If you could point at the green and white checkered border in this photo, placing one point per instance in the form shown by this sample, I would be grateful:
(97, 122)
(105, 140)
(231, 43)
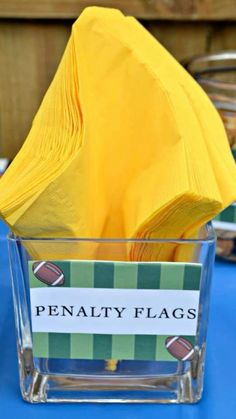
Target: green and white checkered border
(123, 275)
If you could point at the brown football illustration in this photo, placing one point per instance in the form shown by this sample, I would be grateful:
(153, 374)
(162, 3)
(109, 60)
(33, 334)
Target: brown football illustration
(180, 348)
(48, 273)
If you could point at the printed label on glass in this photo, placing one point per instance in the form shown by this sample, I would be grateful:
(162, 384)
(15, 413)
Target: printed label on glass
(121, 310)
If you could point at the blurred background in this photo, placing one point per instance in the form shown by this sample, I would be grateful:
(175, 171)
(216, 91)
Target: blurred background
(33, 35)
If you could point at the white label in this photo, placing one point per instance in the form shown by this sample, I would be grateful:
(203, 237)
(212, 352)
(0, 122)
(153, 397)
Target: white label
(114, 311)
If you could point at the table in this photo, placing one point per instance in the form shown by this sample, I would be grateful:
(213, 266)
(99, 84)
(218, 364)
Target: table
(219, 398)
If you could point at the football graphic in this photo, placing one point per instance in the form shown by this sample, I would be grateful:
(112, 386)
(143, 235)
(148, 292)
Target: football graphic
(180, 348)
(48, 273)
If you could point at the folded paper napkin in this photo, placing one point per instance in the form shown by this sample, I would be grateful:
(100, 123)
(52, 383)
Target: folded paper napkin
(125, 145)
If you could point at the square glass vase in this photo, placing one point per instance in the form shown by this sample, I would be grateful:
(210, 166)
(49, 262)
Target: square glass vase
(146, 365)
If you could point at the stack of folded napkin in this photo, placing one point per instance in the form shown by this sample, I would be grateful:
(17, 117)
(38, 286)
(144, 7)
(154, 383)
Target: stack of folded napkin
(125, 145)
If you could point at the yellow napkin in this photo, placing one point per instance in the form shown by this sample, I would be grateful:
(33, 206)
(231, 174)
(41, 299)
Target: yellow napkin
(125, 144)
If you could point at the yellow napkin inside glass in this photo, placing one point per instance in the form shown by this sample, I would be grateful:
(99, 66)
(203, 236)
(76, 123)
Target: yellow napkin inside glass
(124, 145)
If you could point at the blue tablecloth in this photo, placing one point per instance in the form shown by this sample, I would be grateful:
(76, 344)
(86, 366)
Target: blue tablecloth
(219, 398)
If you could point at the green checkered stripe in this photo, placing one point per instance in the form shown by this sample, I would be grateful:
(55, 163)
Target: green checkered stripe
(123, 275)
(228, 215)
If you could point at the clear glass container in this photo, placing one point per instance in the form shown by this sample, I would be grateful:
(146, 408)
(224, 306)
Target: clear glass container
(48, 379)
